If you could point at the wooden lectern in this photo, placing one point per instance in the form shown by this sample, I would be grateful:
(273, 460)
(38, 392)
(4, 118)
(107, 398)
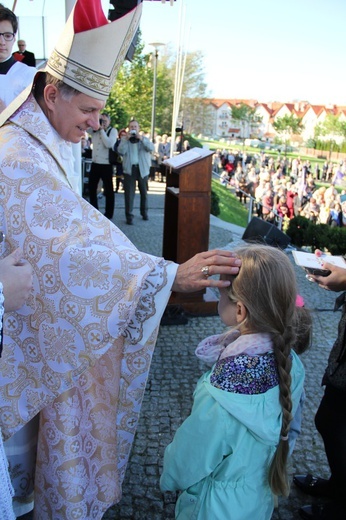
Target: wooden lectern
(186, 220)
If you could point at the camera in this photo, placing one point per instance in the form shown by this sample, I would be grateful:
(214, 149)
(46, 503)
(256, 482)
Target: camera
(133, 139)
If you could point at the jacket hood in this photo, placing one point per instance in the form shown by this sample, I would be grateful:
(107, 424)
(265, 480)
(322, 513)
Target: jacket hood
(256, 411)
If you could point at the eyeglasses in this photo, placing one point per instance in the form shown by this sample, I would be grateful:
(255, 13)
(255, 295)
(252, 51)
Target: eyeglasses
(8, 37)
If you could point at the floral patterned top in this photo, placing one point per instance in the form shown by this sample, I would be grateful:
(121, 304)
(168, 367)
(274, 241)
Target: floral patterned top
(246, 374)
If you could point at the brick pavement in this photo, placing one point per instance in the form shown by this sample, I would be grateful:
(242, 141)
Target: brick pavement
(175, 370)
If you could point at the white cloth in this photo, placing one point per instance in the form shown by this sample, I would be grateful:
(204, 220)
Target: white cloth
(220, 346)
(102, 141)
(14, 82)
(6, 489)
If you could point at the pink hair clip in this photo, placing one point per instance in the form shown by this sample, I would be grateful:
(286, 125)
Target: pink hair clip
(299, 301)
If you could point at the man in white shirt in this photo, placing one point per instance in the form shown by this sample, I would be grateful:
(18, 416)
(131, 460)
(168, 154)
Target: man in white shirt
(102, 140)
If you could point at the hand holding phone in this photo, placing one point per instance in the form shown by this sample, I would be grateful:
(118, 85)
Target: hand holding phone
(317, 271)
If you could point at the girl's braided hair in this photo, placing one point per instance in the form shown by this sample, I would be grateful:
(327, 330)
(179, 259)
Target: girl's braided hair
(266, 285)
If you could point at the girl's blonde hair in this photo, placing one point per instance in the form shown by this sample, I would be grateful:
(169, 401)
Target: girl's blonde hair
(266, 285)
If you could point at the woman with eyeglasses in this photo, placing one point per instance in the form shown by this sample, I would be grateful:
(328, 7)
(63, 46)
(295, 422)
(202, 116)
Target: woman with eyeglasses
(14, 75)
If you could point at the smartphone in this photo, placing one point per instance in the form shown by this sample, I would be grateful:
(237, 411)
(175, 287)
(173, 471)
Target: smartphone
(317, 272)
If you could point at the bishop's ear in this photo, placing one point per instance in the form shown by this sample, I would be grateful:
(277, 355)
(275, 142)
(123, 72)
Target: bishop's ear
(50, 95)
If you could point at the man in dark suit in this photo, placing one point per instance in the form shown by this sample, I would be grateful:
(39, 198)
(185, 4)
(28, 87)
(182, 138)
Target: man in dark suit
(26, 57)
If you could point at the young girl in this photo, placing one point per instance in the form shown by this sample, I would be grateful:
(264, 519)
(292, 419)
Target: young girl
(229, 456)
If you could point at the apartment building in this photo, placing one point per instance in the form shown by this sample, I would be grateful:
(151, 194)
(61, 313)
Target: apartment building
(223, 126)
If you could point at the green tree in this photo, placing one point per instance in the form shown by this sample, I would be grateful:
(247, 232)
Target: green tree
(132, 93)
(194, 111)
(287, 126)
(343, 129)
(119, 116)
(247, 118)
(164, 96)
(330, 128)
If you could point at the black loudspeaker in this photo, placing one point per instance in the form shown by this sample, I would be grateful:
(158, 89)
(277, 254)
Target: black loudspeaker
(260, 231)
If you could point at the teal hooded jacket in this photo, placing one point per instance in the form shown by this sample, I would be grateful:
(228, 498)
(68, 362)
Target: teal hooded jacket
(221, 454)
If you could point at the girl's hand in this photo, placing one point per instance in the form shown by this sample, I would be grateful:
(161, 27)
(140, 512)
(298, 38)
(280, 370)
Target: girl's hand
(16, 278)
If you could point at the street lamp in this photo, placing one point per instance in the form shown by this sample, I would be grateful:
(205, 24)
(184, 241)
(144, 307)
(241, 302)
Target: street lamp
(153, 110)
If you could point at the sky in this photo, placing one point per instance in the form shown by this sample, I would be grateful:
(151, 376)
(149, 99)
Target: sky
(268, 50)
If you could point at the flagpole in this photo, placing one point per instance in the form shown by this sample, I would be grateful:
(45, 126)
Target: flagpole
(179, 76)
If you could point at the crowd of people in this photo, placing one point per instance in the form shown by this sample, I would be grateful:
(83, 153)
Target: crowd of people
(286, 188)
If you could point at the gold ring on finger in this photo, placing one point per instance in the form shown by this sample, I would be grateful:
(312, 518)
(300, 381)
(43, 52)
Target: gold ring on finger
(205, 271)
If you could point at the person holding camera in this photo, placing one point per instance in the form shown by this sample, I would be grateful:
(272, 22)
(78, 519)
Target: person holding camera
(103, 139)
(136, 150)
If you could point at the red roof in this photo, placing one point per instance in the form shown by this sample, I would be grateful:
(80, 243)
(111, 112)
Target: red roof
(298, 108)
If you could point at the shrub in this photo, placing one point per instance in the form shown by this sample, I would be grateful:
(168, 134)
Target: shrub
(214, 205)
(297, 231)
(303, 232)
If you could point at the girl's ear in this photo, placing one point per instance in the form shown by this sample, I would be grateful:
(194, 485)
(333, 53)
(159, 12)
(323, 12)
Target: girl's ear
(241, 312)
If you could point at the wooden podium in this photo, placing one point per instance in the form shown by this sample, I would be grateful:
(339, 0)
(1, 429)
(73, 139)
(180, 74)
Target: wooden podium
(186, 221)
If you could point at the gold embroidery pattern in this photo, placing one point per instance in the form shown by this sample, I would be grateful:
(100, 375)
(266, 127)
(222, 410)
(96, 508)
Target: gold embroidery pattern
(69, 70)
(7, 367)
(68, 414)
(102, 426)
(74, 480)
(59, 343)
(52, 212)
(89, 268)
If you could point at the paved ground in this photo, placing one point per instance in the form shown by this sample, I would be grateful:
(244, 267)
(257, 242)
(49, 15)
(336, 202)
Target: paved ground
(175, 370)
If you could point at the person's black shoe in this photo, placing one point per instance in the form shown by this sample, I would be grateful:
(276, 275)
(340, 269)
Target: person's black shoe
(145, 217)
(129, 221)
(331, 511)
(313, 486)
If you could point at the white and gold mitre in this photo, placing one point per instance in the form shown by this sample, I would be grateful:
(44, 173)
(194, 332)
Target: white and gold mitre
(91, 50)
